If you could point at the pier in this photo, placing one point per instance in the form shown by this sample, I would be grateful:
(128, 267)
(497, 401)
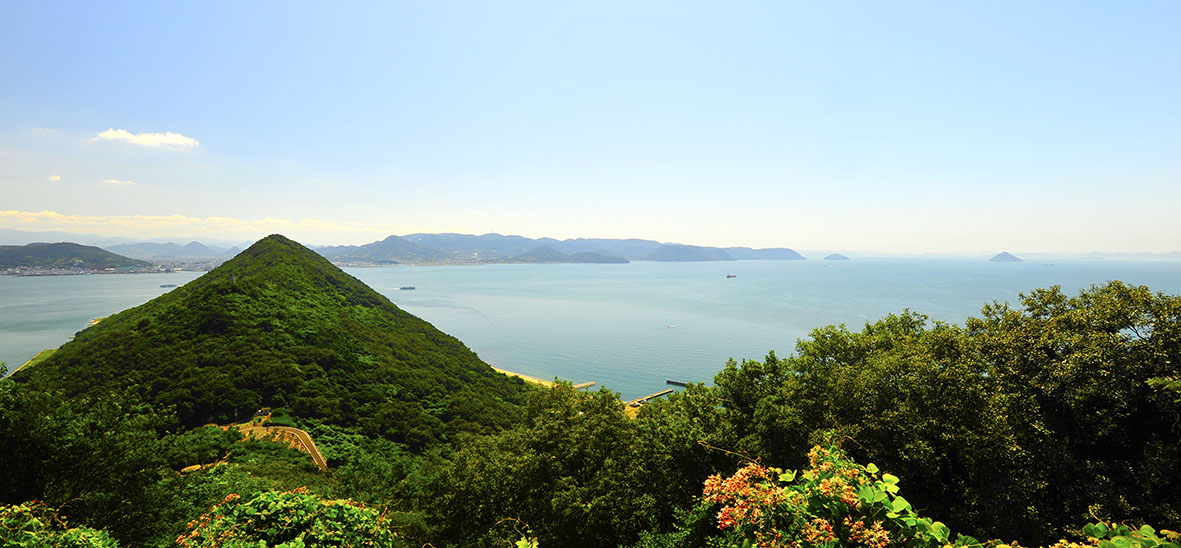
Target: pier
(640, 401)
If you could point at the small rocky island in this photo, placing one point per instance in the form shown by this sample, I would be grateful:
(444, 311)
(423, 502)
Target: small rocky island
(836, 257)
(1005, 257)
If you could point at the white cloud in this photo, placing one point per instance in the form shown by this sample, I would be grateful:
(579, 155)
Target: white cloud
(53, 178)
(168, 139)
(181, 225)
(118, 182)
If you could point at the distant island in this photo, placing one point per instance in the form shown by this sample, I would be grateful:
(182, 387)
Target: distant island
(392, 250)
(545, 254)
(421, 249)
(836, 257)
(687, 253)
(40, 259)
(452, 248)
(1005, 257)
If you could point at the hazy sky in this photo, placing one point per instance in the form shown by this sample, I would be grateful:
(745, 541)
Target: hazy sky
(875, 126)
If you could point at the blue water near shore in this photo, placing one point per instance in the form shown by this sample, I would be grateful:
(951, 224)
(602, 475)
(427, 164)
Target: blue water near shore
(628, 327)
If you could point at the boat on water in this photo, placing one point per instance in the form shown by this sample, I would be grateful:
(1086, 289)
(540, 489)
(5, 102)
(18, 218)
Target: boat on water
(406, 288)
(731, 275)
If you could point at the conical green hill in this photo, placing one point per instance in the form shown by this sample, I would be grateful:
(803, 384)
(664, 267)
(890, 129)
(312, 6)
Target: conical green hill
(280, 326)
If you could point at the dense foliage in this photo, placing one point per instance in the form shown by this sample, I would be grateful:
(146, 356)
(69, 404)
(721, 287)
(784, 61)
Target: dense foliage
(280, 326)
(1027, 424)
(290, 519)
(35, 525)
(1044, 411)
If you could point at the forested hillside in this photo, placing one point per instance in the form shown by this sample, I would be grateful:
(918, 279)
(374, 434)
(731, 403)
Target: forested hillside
(279, 326)
(64, 256)
(1025, 424)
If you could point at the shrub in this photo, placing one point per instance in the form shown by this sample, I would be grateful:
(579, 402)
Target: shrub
(36, 525)
(839, 503)
(291, 519)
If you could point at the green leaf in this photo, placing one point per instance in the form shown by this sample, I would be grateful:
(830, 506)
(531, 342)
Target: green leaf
(965, 540)
(890, 479)
(871, 468)
(1147, 530)
(788, 476)
(941, 531)
(900, 504)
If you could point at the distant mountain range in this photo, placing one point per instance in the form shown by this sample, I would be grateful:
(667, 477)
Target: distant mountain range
(546, 254)
(151, 251)
(392, 250)
(423, 248)
(497, 248)
(9, 236)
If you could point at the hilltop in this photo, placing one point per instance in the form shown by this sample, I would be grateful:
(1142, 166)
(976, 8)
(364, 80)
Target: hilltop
(280, 326)
(65, 256)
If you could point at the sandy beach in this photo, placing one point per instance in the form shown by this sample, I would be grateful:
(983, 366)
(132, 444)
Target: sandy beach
(526, 378)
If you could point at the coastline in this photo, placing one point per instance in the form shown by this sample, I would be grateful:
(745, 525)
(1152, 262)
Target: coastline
(526, 378)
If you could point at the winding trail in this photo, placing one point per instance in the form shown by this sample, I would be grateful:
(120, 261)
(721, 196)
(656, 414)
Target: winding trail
(308, 444)
(274, 432)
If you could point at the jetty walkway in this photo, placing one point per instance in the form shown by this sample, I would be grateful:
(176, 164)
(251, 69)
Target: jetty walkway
(642, 400)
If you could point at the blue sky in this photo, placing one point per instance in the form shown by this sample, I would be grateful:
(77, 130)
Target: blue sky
(890, 127)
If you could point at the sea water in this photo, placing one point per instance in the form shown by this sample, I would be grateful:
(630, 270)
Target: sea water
(628, 327)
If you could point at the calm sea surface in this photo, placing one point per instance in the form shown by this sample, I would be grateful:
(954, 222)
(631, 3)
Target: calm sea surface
(628, 327)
